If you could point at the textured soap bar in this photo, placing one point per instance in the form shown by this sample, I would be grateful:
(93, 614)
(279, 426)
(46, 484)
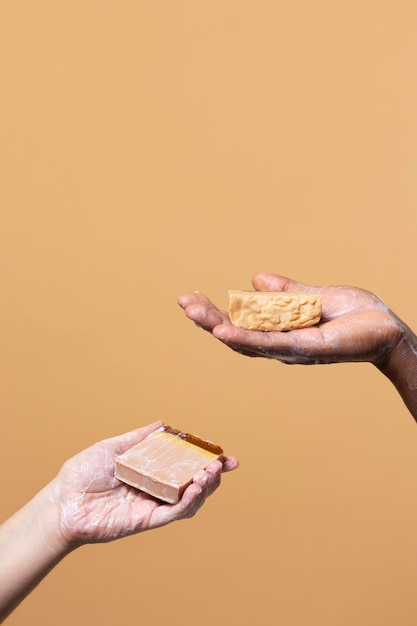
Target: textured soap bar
(165, 463)
(274, 310)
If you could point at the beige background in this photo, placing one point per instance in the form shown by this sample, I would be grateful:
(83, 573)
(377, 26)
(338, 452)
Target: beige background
(155, 148)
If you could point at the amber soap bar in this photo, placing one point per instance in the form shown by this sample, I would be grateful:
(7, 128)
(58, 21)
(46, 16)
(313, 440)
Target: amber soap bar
(165, 463)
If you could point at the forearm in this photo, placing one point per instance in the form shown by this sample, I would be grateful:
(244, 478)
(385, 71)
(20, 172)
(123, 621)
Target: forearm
(30, 546)
(400, 367)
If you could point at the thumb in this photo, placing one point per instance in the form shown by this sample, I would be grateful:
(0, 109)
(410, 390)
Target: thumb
(264, 281)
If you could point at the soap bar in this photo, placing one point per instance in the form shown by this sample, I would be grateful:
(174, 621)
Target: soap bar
(165, 463)
(274, 310)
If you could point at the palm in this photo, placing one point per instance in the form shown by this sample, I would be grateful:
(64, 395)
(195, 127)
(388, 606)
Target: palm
(97, 506)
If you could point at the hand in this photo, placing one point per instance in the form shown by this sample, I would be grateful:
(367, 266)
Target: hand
(85, 503)
(355, 326)
(96, 507)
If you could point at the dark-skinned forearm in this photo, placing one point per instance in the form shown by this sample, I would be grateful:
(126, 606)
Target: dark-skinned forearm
(399, 365)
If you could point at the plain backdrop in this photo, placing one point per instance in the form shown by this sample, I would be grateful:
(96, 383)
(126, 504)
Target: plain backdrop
(149, 149)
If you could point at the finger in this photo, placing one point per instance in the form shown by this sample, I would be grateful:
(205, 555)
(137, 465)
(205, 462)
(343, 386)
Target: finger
(204, 484)
(305, 342)
(187, 301)
(209, 479)
(212, 472)
(230, 463)
(241, 338)
(192, 500)
(264, 281)
(121, 443)
(196, 297)
(207, 317)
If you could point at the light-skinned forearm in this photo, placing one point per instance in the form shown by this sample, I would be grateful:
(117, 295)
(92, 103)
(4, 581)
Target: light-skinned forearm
(31, 544)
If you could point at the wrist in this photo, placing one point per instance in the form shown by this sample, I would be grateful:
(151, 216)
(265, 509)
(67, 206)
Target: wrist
(47, 523)
(399, 365)
(400, 352)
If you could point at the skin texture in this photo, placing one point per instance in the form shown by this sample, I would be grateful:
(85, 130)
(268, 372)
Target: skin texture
(356, 326)
(85, 504)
